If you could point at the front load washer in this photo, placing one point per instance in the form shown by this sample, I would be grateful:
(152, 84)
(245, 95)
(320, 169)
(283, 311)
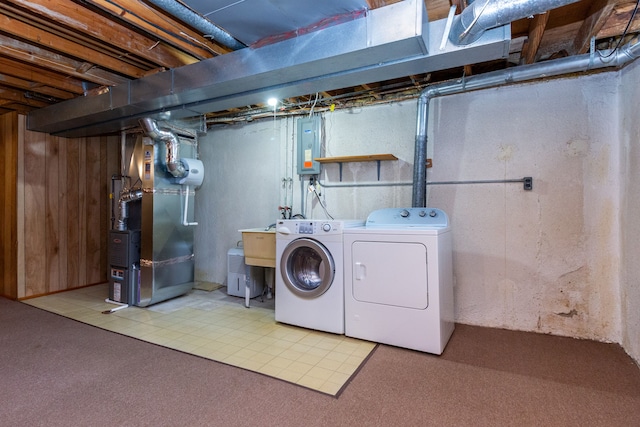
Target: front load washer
(399, 280)
(309, 273)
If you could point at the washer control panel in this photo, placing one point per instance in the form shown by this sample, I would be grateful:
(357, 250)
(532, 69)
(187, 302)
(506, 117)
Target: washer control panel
(317, 227)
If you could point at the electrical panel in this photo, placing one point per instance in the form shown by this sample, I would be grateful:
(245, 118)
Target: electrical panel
(309, 138)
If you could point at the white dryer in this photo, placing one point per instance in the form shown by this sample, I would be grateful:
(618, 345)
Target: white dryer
(309, 273)
(399, 280)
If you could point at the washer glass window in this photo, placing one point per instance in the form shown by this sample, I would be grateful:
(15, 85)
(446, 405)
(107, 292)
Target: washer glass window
(307, 268)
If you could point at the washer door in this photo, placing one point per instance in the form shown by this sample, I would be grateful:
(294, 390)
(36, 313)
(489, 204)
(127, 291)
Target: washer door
(307, 268)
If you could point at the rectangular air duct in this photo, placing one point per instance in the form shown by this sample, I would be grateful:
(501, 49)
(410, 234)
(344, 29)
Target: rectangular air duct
(389, 42)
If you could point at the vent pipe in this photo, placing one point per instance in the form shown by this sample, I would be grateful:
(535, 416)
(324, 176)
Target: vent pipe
(123, 206)
(563, 66)
(198, 22)
(172, 146)
(482, 15)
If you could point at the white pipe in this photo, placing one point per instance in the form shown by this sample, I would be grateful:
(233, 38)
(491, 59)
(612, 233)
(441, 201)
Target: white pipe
(186, 208)
(119, 304)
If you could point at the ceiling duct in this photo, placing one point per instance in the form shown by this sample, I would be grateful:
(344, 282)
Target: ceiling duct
(208, 28)
(485, 14)
(172, 146)
(389, 42)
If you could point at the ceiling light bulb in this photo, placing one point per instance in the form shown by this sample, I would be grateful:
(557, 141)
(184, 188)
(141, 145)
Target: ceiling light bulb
(272, 102)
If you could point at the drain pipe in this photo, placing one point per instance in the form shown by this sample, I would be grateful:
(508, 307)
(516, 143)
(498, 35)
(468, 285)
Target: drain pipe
(172, 146)
(573, 64)
(198, 22)
(482, 15)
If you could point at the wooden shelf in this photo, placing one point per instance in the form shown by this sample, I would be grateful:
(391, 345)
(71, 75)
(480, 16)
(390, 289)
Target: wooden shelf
(350, 159)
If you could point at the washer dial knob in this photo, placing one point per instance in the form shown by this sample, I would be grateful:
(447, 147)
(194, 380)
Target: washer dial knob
(404, 213)
(326, 227)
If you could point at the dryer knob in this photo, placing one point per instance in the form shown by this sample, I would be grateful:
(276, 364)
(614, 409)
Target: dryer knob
(422, 214)
(404, 213)
(326, 226)
(433, 214)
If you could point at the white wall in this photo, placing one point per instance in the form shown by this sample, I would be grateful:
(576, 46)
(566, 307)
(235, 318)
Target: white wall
(547, 260)
(240, 190)
(246, 163)
(630, 138)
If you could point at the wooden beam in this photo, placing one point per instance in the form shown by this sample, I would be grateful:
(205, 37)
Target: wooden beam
(372, 92)
(47, 60)
(459, 4)
(25, 31)
(39, 75)
(71, 15)
(598, 14)
(375, 4)
(19, 98)
(164, 27)
(615, 25)
(18, 83)
(536, 31)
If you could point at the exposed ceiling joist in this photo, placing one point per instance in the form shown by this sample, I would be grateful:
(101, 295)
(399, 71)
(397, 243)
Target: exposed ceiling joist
(149, 20)
(77, 48)
(534, 38)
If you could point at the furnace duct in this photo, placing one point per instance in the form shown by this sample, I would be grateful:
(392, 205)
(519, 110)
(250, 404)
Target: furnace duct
(123, 206)
(151, 246)
(482, 15)
(198, 22)
(172, 146)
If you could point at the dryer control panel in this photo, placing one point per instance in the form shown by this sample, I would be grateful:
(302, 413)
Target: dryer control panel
(408, 217)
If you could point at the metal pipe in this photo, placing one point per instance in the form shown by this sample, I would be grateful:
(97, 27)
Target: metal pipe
(123, 209)
(482, 15)
(198, 22)
(562, 66)
(172, 146)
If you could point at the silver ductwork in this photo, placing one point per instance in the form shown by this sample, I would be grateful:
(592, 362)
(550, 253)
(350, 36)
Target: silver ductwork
(389, 42)
(171, 143)
(151, 244)
(198, 22)
(558, 67)
(166, 250)
(123, 206)
(482, 15)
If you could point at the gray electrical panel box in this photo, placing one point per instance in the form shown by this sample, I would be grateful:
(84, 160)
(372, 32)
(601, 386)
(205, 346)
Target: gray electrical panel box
(309, 137)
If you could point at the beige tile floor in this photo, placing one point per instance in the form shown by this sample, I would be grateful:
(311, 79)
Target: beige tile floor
(219, 327)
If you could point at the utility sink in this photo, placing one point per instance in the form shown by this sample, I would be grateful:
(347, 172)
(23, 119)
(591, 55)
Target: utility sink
(259, 246)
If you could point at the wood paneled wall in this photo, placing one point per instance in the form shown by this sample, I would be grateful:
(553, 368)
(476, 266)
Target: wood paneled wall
(63, 210)
(8, 209)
